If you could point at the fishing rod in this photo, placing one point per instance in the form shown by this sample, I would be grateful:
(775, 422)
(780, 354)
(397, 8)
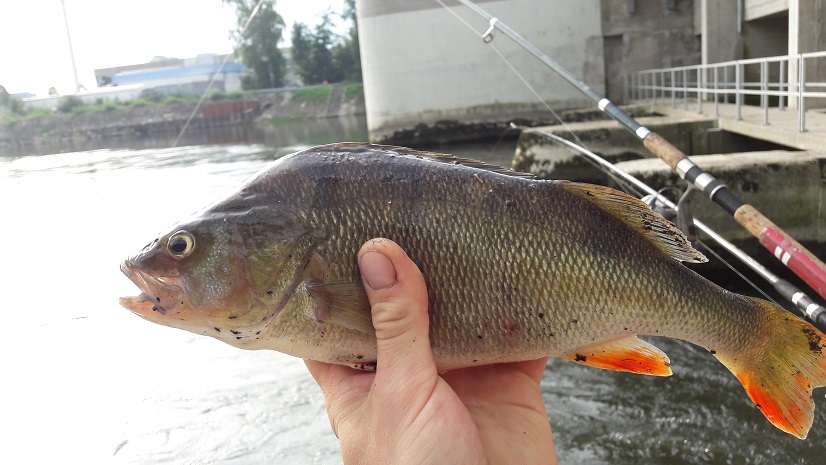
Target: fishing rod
(784, 247)
(811, 310)
(215, 76)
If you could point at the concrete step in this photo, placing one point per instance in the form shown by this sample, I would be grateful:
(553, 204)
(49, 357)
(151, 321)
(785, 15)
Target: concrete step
(786, 186)
(547, 159)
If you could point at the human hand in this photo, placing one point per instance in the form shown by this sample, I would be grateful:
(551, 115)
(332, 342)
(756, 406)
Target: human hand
(405, 412)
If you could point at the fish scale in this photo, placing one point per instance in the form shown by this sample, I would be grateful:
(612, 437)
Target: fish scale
(516, 269)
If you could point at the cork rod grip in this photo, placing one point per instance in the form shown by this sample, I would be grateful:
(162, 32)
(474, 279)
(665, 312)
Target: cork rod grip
(663, 149)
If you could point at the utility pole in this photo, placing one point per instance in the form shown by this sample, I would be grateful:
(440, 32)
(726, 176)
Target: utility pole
(71, 50)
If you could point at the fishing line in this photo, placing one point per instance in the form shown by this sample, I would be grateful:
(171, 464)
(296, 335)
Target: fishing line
(626, 186)
(518, 75)
(732, 268)
(215, 76)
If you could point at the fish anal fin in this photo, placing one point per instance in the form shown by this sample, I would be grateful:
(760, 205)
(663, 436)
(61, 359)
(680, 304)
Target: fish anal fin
(343, 304)
(629, 354)
(640, 217)
(780, 373)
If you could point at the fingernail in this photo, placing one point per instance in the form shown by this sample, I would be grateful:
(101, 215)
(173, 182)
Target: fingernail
(377, 270)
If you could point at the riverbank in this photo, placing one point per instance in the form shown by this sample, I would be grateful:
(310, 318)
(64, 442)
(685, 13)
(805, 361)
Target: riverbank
(145, 118)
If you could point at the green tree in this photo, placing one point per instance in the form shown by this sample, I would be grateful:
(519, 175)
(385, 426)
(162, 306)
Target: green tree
(301, 39)
(258, 47)
(320, 55)
(312, 52)
(9, 104)
(346, 54)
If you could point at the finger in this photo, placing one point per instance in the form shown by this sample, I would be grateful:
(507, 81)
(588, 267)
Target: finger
(398, 299)
(533, 368)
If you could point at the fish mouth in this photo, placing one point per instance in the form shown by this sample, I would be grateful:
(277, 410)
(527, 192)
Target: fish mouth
(156, 297)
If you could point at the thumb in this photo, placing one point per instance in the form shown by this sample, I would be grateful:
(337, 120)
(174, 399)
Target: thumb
(398, 301)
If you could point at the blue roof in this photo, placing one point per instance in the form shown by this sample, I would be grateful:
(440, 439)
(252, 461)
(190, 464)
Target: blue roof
(161, 73)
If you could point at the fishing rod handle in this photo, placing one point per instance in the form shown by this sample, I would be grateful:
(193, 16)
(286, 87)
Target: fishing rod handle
(663, 150)
(796, 257)
(784, 247)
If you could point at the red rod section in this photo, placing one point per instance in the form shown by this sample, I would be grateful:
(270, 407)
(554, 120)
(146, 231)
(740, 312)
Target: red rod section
(791, 256)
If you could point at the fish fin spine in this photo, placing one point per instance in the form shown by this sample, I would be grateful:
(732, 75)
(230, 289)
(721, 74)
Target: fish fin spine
(640, 217)
(779, 376)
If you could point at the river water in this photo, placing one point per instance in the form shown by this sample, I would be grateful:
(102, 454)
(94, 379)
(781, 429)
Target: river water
(85, 381)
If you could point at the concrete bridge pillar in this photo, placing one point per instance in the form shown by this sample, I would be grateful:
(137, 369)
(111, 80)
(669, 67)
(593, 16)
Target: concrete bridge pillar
(807, 33)
(425, 70)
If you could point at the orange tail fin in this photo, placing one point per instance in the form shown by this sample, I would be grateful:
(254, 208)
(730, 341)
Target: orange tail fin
(780, 370)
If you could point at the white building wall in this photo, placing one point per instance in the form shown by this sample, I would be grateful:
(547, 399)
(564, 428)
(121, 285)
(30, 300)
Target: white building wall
(106, 94)
(232, 82)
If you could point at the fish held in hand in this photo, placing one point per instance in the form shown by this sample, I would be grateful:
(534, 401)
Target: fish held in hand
(516, 268)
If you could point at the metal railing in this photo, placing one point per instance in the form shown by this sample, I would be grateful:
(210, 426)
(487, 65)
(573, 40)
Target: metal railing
(723, 82)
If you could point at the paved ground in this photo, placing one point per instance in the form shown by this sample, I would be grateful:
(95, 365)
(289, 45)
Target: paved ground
(782, 127)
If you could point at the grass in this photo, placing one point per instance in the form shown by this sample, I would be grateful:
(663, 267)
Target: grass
(314, 94)
(173, 100)
(352, 89)
(28, 114)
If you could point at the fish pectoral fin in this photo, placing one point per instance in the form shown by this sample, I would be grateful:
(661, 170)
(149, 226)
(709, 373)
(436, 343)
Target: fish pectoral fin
(344, 304)
(628, 353)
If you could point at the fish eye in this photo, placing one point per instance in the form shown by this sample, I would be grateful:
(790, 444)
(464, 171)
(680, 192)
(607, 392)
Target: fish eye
(181, 244)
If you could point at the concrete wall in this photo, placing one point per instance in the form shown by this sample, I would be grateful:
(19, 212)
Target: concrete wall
(720, 29)
(649, 35)
(421, 65)
(760, 8)
(807, 33)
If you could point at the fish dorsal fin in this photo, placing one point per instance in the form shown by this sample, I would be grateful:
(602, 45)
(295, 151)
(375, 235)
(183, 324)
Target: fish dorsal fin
(438, 157)
(453, 160)
(628, 353)
(640, 217)
(343, 304)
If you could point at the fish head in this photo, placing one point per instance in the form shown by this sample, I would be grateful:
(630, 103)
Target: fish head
(183, 275)
(222, 275)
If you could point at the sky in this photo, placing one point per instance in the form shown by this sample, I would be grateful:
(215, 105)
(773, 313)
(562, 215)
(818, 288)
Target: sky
(34, 51)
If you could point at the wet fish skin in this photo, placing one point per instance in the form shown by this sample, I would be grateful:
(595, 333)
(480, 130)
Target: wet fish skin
(515, 268)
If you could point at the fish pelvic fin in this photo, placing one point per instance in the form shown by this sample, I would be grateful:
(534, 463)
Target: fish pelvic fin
(780, 372)
(627, 353)
(640, 217)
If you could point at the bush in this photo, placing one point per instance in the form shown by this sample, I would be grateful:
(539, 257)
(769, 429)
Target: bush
(173, 100)
(69, 103)
(235, 95)
(38, 112)
(11, 119)
(140, 103)
(152, 95)
(109, 106)
(216, 95)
